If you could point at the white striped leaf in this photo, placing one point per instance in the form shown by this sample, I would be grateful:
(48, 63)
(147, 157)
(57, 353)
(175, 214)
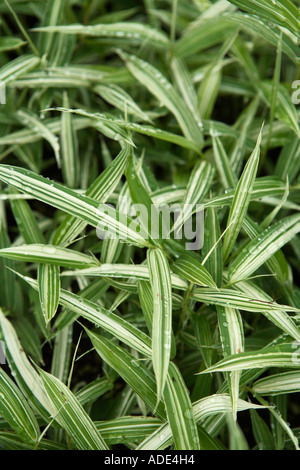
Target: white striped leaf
(163, 90)
(127, 429)
(125, 271)
(71, 415)
(225, 170)
(75, 204)
(212, 405)
(28, 119)
(103, 318)
(278, 317)
(26, 376)
(132, 31)
(104, 122)
(180, 412)
(279, 356)
(135, 374)
(278, 384)
(49, 287)
(198, 185)
(232, 339)
(100, 190)
(160, 281)
(277, 263)
(93, 390)
(193, 271)
(27, 223)
(241, 200)
(49, 254)
(237, 299)
(263, 246)
(69, 148)
(118, 97)
(16, 411)
(18, 67)
(285, 13)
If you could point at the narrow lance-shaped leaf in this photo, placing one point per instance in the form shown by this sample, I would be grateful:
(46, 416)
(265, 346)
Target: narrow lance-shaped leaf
(232, 339)
(69, 148)
(147, 213)
(180, 412)
(262, 247)
(26, 376)
(49, 254)
(16, 411)
(278, 384)
(277, 263)
(26, 220)
(286, 12)
(212, 248)
(189, 268)
(204, 337)
(103, 123)
(237, 299)
(127, 429)
(198, 185)
(135, 374)
(212, 405)
(133, 272)
(225, 170)
(17, 67)
(160, 86)
(62, 353)
(100, 190)
(117, 97)
(112, 323)
(93, 390)
(280, 356)
(49, 287)
(278, 317)
(29, 119)
(184, 82)
(241, 200)
(130, 31)
(72, 415)
(75, 204)
(160, 281)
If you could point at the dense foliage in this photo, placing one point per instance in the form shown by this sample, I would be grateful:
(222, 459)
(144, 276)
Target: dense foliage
(114, 338)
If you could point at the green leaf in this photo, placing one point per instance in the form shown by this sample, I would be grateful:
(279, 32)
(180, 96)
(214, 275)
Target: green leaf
(49, 254)
(71, 415)
(180, 412)
(9, 43)
(112, 323)
(278, 384)
(133, 272)
(16, 411)
(189, 268)
(236, 299)
(49, 287)
(160, 281)
(285, 14)
(69, 201)
(69, 148)
(163, 90)
(132, 31)
(99, 190)
(263, 246)
(241, 200)
(138, 377)
(280, 356)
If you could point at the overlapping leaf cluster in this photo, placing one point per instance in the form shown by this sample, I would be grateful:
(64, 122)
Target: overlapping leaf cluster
(132, 340)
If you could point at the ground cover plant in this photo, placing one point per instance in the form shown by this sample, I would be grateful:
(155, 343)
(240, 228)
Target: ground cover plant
(149, 220)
